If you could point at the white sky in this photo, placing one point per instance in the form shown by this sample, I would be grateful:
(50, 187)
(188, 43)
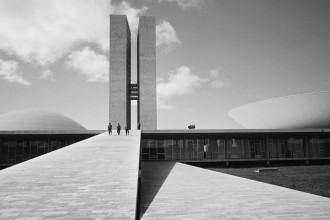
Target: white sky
(212, 55)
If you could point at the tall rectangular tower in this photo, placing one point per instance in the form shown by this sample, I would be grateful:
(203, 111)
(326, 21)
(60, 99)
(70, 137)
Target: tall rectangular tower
(146, 73)
(120, 71)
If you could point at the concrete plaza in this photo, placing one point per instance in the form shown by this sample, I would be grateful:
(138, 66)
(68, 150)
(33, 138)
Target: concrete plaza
(98, 179)
(92, 179)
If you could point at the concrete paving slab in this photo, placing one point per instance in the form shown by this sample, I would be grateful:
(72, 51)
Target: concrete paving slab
(187, 192)
(92, 179)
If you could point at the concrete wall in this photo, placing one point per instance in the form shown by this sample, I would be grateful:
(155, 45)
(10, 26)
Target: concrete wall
(120, 71)
(146, 59)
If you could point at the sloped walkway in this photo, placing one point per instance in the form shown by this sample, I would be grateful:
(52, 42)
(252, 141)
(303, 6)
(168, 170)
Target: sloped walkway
(92, 179)
(177, 191)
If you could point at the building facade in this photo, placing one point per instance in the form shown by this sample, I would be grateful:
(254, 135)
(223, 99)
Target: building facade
(184, 145)
(122, 90)
(120, 71)
(236, 145)
(20, 146)
(146, 54)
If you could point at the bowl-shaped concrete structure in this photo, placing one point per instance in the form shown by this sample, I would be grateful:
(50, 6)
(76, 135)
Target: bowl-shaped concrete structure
(33, 120)
(308, 110)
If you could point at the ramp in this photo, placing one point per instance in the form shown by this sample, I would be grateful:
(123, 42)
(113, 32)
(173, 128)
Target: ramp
(172, 190)
(93, 179)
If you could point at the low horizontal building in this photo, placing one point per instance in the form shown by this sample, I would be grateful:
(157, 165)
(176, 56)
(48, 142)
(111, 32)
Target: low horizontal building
(236, 145)
(26, 134)
(225, 145)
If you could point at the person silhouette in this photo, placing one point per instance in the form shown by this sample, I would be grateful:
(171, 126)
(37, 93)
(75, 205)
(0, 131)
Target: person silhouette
(110, 128)
(127, 130)
(138, 126)
(118, 128)
(205, 149)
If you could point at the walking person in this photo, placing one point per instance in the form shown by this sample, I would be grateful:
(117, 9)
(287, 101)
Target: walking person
(205, 149)
(138, 126)
(110, 128)
(127, 130)
(118, 128)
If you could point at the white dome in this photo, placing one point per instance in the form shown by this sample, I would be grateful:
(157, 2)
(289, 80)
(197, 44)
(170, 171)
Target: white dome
(32, 120)
(308, 110)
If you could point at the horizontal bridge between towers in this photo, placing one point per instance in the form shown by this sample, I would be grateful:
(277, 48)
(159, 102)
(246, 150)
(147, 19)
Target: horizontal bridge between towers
(134, 91)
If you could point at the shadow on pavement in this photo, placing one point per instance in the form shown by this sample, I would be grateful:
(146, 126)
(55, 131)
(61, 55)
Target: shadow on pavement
(153, 176)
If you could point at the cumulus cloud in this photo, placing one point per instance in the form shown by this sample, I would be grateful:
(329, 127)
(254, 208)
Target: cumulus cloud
(9, 71)
(214, 73)
(214, 82)
(166, 35)
(42, 31)
(131, 13)
(182, 82)
(186, 4)
(47, 74)
(92, 65)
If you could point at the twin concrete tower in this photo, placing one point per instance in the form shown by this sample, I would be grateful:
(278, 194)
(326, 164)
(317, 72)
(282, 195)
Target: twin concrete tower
(122, 91)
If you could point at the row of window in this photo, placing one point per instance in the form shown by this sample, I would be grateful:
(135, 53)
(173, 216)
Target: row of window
(16, 151)
(12, 151)
(234, 148)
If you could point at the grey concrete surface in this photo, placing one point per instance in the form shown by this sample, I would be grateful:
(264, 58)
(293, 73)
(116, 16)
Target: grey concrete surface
(120, 71)
(146, 72)
(92, 179)
(177, 191)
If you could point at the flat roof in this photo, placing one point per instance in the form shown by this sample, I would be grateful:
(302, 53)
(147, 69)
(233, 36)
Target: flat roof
(228, 131)
(178, 131)
(53, 132)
